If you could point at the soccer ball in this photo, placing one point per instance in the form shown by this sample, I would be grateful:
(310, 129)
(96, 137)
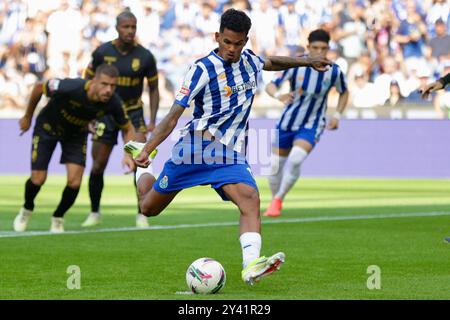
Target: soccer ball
(205, 276)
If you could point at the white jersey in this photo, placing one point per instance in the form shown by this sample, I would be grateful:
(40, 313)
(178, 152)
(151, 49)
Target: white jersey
(311, 88)
(223, 94)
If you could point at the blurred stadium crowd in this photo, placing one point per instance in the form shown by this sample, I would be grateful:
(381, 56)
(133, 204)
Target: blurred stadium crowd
(387, 48)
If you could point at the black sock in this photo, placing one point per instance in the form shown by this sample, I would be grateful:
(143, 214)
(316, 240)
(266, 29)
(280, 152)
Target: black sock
(95, 190)
(31, 191)
(68, 198)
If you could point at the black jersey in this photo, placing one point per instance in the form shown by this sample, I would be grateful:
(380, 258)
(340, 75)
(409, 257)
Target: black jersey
(133, 67)
(69, 110)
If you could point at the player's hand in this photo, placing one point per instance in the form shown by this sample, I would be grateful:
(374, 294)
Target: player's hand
(24, 124)
(128, 163)
(286, 98)
(91, 127)
(333, 124)
(432, 87)
(150, 127)
(142, 160)
(319, 63)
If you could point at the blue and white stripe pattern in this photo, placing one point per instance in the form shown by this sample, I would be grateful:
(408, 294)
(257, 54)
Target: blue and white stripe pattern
(311, 88)
(223, 94)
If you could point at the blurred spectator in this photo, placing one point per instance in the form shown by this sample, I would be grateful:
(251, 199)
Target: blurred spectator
(411, 35)
(395, 96)
(390, 72)
(440, 44)
(441, 101)
(374, 41)
(363, 94)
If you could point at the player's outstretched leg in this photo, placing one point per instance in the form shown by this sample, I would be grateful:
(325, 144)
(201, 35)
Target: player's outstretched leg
(254, 266)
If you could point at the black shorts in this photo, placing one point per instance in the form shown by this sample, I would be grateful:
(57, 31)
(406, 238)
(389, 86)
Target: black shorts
(44, 143)
(107, 129)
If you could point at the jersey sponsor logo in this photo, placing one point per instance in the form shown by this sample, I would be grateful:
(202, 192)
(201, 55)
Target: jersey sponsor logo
(53, 85)
(239, 87)
(185, 91)
(135, 64)
(164, 182)
(110, 59)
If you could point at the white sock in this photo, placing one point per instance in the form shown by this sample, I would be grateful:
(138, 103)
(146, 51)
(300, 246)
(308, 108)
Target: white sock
(251, 247)
(140, 171)
(276, 172)
(291, 170)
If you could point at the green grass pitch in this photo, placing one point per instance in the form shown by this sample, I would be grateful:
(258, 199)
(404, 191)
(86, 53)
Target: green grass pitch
(331, 230)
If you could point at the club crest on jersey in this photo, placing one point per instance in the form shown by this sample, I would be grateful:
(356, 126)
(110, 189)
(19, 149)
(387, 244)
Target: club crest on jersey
(326, 82)
(135, 64)
(248, 67)
(164, 182)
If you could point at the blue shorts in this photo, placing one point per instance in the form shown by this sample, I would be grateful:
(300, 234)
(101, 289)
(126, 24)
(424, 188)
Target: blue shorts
(178, 175)
(285, 139)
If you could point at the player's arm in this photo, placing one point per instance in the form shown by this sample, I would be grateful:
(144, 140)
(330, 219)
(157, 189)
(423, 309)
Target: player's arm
(89, 72)
(435, 86)
(272, 90)
(341, 87)
(161, 132)
(278, 63)
(340, 108)
(153, 92)
(36, 94)
(128, 132)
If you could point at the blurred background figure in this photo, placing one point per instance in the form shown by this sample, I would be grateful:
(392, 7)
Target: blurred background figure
(386, 40)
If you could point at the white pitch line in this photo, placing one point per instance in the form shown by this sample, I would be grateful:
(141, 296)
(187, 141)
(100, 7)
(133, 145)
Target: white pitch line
(12, 234)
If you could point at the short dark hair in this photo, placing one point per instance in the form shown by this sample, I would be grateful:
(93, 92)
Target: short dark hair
(319, 35)
(235, 20)
(127, 14)
(107, 69)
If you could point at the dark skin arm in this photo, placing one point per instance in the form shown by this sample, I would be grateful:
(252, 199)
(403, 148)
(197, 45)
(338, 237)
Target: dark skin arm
(36, 94)
(161, 132)
(154, 103)
(278, 63)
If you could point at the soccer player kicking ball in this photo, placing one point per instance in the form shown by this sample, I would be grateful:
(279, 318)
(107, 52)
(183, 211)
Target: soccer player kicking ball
(73, 103)
(211, 151)
(303, 119)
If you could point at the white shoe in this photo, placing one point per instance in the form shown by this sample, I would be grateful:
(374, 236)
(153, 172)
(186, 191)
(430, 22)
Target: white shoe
(93, 219)
(21, 220)
(141, 221)
(57, 225)
(261, 267)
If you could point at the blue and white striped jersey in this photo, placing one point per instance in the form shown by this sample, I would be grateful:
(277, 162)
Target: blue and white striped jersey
(311, 89)
(223, 94)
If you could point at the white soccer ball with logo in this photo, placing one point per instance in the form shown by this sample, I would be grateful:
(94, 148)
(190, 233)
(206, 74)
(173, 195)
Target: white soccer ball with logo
(205, 276)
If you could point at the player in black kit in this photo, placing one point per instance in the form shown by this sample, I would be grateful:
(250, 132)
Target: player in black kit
(73, 104)
(135, 63)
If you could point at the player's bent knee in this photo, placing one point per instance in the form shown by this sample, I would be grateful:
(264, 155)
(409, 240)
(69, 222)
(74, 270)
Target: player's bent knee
(38, 179)
(149, 211)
